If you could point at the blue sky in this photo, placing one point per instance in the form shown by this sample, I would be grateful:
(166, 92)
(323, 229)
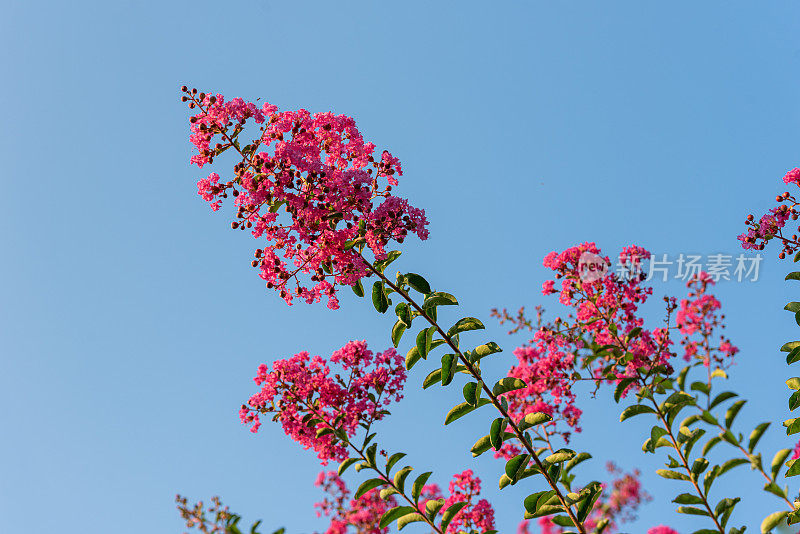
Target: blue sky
(132, 322)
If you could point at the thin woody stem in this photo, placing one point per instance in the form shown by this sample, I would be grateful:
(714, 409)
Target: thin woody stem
(489, 394)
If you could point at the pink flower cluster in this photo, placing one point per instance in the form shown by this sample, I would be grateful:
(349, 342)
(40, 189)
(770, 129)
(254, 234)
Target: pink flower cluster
(475, 516)
(363, 513)
(617, 506)
(661, 529)
(606, 310)
(306, 398)
(698, 318)
(316, 168)
(771, 225)
(546, 367)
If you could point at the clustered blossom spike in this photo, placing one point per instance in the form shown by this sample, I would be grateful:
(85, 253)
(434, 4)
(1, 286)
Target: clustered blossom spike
(547, 370)
(698, 318)
(619, 505)
(661, 529)
(363, 514)
(606, 311)
(306, 398)
(771, 225)
(316, 168)
(475, 516)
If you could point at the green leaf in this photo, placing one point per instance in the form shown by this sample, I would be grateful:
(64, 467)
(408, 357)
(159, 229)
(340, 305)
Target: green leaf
(516, 465)
(463, 409)
(425, 341)
(636, 409)
(701, 386)
(774, 489)
(579, 458)
(345, 464)
(450, 513)
(732, 412)
(793, 356)
(410, 518)
(793, 276)
(412, 357)
(755, 436)
(358, 289)
(710, 444)
(432, 507)
(621, 387)
(787, 347)
(482, 351)
(388, 492)
(448, 368)
(794, 468)
(439, 298)
(381, 265)
(691, 510)
(496, 432)
(793, 383)
(672, 475)
(418, 283)
(434, 377)
(393, 459)
(534, 419)
(774, 519)
(472, 392)
(379, 298)
(793, 307)
(687, 498)
(397, 332)
(722, 397)
(481, 446)
(792, 426)
(368, 485)
(464, 325)
(504, 385)
(416, 488)
(400, 478)
(730, 464)
(395, 513)
(561, 455)
(777, 461)
(403, 313)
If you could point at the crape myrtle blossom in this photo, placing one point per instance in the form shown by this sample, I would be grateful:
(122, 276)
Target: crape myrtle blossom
(306, 396)
(605, 315)
(617, 504)
(606, 311)
(698, 318)
(309, 185)
(771, 225)
(365, 512)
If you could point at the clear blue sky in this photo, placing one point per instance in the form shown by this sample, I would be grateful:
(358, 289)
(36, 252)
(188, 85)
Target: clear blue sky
(132, 322)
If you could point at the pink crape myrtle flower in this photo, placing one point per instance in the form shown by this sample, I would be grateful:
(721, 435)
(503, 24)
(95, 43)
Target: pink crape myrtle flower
(606, 310)
(698, 320)
(306, 396)
(771, 225)
(309, 185)
(661, 529)
(363, 514)
(477, 515)
(618, 504)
